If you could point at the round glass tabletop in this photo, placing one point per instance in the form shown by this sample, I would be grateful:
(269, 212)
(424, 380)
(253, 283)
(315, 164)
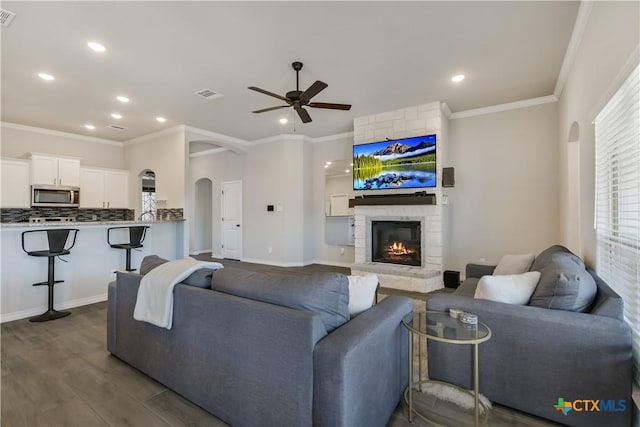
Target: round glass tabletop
(440, 326)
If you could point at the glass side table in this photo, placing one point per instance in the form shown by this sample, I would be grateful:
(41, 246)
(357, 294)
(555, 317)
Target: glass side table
(440, 326)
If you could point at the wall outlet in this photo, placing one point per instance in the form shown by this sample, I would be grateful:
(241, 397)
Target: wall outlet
(279, 208)
(341, 251)
(113, 274)
(483, 260)
(269, 250)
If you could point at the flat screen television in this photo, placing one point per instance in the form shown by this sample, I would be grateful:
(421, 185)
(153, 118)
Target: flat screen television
(398, 163)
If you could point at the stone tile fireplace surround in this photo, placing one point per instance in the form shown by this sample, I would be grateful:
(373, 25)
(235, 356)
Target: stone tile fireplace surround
(423, 119)
(425, 278)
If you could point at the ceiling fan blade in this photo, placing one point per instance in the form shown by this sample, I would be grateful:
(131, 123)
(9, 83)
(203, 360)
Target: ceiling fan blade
(329, 106)
(270, 108)
(266, 92)
(313, 90)
(304, 115)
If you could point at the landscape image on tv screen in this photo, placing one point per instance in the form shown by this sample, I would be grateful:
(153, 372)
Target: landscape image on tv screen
(400, 163)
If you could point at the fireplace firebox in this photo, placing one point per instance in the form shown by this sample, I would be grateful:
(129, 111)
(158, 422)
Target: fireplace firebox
(396, 242)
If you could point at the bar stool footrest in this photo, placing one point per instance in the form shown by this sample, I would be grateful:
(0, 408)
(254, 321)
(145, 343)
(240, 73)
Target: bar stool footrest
(47, 283)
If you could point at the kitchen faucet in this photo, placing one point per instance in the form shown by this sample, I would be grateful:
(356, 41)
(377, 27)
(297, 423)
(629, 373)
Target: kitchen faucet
(153, 215)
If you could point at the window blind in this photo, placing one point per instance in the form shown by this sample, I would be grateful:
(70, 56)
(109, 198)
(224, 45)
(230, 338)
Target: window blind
(617, 222)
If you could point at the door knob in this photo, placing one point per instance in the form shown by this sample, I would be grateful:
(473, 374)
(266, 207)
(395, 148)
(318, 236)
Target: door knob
(237, 225)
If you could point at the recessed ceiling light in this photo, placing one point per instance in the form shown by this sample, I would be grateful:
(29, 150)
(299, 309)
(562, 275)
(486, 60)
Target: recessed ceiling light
(90, 127)
(328, 163)
(95, 46)
(326, 166)
(161, 119)
(347, 171)
(284, 120)
(350, 164)
(122, 98)
(116, 115)
(457, 78)
(45, 76)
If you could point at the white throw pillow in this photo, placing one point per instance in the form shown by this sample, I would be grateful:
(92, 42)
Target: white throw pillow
(362, 290)
(514, 264)
(510, 289)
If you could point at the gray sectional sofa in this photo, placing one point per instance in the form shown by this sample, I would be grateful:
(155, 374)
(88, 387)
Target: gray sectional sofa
(537, 354)
(270, 350)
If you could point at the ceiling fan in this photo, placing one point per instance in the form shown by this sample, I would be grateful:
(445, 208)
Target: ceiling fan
(298, 99)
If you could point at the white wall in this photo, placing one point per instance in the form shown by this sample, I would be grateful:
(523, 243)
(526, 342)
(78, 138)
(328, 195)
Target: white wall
(274, 175)
(308, 196)
(338, 149)
(505, 198)
(606, 52)
(165, 154)
(18, 142)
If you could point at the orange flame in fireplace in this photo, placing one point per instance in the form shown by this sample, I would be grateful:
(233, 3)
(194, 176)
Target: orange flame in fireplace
(398, 248)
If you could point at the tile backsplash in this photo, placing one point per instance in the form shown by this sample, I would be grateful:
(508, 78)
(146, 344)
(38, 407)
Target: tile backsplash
(169, 214)
(81, 215)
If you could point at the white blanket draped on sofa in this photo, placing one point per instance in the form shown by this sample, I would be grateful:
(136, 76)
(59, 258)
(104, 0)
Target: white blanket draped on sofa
(155, 294)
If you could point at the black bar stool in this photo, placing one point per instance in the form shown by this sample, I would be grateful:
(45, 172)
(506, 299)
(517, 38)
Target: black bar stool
(57, 239)
(136, 237)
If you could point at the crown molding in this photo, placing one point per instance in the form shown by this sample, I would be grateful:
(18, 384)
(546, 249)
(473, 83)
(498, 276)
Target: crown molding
(580, 25)
(207, 152)
(52, 132)
(632, 62)
(217, 137)
(504, 107)
(446, 110)
(282, 137)
(178, 128)
(335, 137)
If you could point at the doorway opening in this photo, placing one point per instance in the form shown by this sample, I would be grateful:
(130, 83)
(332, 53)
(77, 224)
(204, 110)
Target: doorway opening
(201, 236)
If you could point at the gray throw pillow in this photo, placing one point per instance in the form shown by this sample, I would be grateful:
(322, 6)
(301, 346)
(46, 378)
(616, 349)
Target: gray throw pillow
(325, 294)
(564, 282)
(200, 278)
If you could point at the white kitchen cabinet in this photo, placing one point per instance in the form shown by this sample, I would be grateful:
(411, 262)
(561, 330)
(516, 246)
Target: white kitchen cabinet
(16, 192)
(117, 189)
(49, 170)
(104, 188)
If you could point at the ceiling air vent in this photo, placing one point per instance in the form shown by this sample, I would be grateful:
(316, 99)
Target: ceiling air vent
(116, 127)
(209, 94)
(6, 17)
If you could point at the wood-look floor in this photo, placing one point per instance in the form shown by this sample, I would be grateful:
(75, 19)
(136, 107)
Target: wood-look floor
(59, 373)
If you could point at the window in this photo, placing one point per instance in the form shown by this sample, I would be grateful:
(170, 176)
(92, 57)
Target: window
(149, 193)
(618, 200)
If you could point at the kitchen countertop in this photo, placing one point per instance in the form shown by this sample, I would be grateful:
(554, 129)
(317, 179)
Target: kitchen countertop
(9, 225)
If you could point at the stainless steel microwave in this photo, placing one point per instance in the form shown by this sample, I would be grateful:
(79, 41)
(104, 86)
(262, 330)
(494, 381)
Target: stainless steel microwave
(52, 196)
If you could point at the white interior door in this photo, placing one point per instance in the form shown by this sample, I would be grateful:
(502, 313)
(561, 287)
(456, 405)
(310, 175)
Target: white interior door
(232, 220)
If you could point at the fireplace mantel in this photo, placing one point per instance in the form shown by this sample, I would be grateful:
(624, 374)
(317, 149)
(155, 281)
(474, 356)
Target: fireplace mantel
(393, 199)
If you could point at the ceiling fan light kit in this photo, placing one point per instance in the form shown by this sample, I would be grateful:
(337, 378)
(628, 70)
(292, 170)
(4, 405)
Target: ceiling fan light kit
(299, 99)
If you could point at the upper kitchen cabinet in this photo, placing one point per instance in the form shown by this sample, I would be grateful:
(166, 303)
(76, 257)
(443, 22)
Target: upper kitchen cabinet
(49, 170)
(104, 188)
(15, 184)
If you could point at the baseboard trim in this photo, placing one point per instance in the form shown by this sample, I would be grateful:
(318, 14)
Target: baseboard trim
(23, 314)
(276, 263)
(333, 263)
(219, 256)
(203, 251)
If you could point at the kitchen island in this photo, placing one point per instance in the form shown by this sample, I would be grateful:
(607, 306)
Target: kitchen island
(89, 269)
